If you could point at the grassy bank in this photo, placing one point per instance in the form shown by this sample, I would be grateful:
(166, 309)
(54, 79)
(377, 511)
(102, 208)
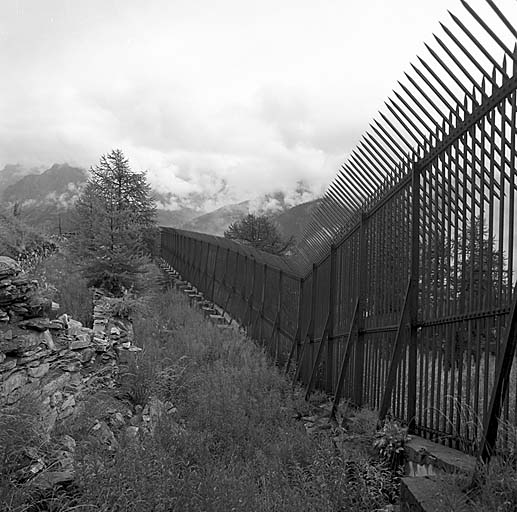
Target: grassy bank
(235, 440)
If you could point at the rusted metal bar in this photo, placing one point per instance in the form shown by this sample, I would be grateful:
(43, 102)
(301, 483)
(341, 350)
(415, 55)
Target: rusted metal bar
(317, 360)
(398, 348)
(309, 335)
(345, 360)
(296, 339)
(362, 277)
(502, 17)
(327, 328)
(501, 384)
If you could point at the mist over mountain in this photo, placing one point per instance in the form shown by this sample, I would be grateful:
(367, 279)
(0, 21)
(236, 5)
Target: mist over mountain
(290, 219)
(61, 184)
(11, 173)
(45, 200)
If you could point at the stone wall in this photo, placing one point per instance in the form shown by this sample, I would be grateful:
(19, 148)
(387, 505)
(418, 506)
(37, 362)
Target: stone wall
(53, 360)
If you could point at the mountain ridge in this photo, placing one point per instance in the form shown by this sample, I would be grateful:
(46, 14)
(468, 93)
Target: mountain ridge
(45, 199)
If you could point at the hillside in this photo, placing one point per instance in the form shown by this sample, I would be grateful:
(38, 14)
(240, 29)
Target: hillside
(175, 218)
(11, 173)
(292, 221)
(59, 184)
(44, 200)
(216, 222)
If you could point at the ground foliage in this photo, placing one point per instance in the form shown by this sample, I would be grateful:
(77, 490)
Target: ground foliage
(236, 440)
(18, 240)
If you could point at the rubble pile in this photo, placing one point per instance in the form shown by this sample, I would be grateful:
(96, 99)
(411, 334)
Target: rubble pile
(55, 361)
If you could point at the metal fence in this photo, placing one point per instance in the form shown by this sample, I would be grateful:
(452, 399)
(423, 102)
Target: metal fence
(407, 299)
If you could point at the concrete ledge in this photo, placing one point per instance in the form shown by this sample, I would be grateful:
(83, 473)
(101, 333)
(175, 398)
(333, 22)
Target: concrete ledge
(431, 495)
(428, 458)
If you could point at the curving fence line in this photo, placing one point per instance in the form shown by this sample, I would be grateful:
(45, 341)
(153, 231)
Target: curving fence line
(402, 293)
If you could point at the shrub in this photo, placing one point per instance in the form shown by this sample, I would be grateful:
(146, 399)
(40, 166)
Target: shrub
(60, 279)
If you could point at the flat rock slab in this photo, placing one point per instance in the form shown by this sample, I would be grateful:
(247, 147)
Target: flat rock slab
(8, 267)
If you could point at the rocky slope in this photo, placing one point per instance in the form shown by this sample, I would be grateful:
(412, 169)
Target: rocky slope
(53, 363)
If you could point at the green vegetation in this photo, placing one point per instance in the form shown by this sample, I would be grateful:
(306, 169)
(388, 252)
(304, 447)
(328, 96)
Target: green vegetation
(233, 441)
(17, 238)
(61, 280)
(114, 225)
(259, 232)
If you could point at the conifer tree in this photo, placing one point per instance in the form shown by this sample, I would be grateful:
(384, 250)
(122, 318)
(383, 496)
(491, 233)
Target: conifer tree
(114, 215)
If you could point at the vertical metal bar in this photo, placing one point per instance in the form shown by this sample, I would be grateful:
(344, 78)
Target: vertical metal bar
(500, 388)
(334, 280)
(296, 339)
(262, 302)
(414, 297)
(214, 273)
(345, 359)
(362, 277)
(279, 313)
(327, 325)
(309, 336)
(398, 347)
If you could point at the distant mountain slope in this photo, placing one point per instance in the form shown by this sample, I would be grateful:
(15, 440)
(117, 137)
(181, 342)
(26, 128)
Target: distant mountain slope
(216, 222)
(44, 200)
(292, 221)
(175, 218)
(59, 184)
(12, 173)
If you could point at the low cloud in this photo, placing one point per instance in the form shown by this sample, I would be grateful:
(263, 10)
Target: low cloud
(218, 105)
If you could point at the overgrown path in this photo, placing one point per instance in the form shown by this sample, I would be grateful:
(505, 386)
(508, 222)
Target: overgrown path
(232, 438)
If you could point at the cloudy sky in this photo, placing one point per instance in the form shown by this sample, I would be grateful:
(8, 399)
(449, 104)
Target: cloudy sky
(224, 100)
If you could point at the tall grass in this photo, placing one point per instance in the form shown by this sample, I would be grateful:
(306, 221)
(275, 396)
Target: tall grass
(233, 442)
(59, 279)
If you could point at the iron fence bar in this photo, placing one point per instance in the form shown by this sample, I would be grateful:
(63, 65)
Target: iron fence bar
(309, 335)
(500, 388)
(396, 356)
(486, 27)
(362, 281)
(262, 301)
(333, 278)
(344, 361)
(319, 353)
(297, 335)
(215, 273)
(327, 325)
(279, 312)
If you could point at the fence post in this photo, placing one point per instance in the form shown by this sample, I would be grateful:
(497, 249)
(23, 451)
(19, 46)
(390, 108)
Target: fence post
(362, 281)
(413, 297)
(327, 326)
(332, 307)
(262, 302)
(250, 299)
(309, 335)
(500, 389)
(214, 274)
(297, 335)
(279, 313)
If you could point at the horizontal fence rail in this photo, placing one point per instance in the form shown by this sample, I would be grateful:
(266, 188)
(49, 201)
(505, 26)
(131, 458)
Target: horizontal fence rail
(402, 293)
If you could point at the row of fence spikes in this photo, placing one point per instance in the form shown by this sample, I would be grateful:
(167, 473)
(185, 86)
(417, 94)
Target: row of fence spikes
(381, 160)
